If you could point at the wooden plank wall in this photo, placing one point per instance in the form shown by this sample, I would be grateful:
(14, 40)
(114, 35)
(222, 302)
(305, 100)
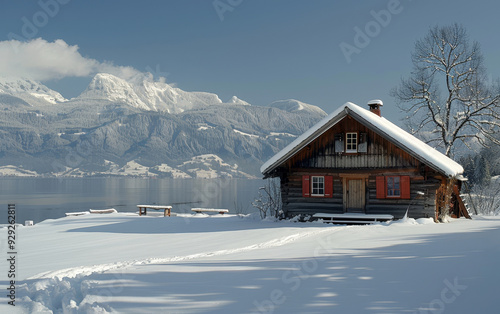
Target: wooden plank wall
(380, 154)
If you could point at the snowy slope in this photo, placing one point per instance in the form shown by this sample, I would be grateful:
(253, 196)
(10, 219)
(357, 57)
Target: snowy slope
(292, 105)
(226, 264)
(210, 166)
(30, 91)
(236, 101)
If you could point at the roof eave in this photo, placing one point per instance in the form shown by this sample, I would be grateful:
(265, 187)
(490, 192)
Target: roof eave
(333, 120)
(399, 144)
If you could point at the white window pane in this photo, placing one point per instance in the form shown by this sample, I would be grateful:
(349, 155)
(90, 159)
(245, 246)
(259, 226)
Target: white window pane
(318, 185)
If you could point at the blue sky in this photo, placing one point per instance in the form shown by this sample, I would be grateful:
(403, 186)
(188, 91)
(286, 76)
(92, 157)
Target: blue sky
(258, 50)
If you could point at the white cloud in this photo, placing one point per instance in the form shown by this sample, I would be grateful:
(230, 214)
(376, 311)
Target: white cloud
(41, 60)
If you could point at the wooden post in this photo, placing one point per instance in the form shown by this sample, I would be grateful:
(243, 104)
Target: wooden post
(462, 209)
(167, 212)
(445, 198)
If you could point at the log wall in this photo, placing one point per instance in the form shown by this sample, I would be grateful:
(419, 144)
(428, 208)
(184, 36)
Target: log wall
(419, 206)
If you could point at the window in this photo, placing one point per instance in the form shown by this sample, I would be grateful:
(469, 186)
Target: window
(318, 186)
(351, 142)
(393, 187)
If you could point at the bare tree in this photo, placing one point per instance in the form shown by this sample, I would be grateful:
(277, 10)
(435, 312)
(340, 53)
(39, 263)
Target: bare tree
(486, 197)
(448, 97)
(269, 200)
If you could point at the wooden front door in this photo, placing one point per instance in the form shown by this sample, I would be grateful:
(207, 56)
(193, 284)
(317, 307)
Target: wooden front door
(355, 195)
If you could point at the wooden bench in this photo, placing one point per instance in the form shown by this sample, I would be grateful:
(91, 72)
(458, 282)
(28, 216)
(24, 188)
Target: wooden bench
(143, 209)
(210, 210)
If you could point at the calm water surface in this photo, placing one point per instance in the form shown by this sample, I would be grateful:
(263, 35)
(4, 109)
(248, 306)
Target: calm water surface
(38, 199)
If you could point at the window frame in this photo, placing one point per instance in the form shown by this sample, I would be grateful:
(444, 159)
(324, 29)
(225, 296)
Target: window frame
(319, 188)
(393, 187)
(348, 141)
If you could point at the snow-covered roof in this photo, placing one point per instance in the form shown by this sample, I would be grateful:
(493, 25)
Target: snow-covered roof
(407, 142)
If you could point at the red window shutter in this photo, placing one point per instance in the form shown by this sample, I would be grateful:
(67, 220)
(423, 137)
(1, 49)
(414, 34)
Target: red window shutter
(306, 186)
(381, 187)
(405, 187)
(328, 186)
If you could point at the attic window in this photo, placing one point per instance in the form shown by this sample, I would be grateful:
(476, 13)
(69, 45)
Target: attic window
(351, 142)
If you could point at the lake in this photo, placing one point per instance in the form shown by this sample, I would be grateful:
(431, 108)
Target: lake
(38, 199)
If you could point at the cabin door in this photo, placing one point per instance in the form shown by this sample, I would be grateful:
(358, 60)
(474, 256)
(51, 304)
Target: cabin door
(354, 194)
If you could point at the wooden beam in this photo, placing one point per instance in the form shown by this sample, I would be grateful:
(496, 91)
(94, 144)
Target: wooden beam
(369, 171)
(354, 175)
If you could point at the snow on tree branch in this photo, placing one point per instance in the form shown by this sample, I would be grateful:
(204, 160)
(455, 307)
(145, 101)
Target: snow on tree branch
(447, 96)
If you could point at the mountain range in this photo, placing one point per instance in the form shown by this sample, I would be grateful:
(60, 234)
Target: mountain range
(140, 127)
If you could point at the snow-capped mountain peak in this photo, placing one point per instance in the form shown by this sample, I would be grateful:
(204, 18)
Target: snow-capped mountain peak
(24, 88)
(161, 96)
(146, 94)
(109, 87)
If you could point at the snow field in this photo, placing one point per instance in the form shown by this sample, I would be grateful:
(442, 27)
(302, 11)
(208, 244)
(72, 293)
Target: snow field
(227, 264)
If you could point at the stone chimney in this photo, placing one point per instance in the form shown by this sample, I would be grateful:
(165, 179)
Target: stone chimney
(375, 106)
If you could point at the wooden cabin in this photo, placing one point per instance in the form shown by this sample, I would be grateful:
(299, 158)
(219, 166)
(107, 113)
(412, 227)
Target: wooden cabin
(355, 161)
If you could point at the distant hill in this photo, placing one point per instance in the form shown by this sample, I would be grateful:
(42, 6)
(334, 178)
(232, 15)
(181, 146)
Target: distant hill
(292, 105)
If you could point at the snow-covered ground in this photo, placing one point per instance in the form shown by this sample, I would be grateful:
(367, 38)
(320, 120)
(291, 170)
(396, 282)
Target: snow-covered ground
(228, 264)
